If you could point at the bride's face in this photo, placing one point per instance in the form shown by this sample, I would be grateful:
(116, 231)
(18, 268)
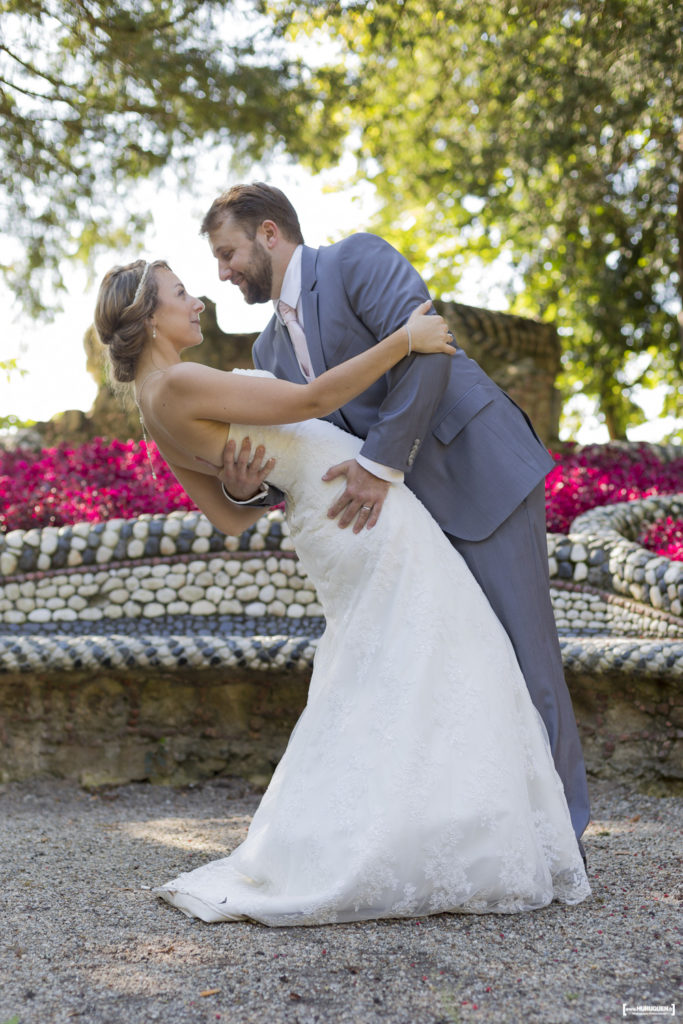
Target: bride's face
(176, 316)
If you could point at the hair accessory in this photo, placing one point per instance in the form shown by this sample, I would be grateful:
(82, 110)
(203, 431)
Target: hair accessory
(141, 283)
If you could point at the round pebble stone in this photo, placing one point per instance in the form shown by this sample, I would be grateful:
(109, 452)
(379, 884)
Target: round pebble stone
(256, 608)
(203, 578)
(200, 545)
(173, 524)
(135, 549)
(154, 609)
(203, 608)
(8, 563)
(178, 608)
(91, 614)
(295, 611)
(39, 615)
(49, 540)
(203, 528)
(74, 558)
(27, 560)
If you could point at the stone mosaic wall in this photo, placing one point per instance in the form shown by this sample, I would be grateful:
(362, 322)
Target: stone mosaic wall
(173, 590)
(159, 648)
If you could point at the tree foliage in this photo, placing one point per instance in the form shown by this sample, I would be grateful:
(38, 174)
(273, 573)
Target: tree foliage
(547, 132)
(95, 95)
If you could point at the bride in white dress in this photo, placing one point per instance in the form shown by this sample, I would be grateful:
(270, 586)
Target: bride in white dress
(418, 779)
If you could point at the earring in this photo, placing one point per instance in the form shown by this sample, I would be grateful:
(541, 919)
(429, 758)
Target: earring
(154, 333)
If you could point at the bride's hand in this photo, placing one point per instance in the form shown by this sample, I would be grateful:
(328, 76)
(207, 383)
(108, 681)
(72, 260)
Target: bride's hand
(429, 332)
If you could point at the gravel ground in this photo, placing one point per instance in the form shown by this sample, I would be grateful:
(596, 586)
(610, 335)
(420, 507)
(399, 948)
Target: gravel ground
(83, 941)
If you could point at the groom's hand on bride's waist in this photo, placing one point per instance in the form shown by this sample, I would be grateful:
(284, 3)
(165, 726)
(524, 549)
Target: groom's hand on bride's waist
(363, 498)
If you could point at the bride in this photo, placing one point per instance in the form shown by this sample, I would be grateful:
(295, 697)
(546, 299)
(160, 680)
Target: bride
(418, 779)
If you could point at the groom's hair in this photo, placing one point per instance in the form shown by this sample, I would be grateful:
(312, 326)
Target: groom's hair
(250, 205)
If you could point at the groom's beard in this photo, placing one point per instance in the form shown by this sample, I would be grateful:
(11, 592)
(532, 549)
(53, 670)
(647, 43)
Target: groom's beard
(258, 276)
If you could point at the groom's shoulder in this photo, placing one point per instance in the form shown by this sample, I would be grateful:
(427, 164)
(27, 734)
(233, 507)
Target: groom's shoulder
(360, 245)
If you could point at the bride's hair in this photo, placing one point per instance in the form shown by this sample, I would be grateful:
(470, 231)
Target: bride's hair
(127, 298)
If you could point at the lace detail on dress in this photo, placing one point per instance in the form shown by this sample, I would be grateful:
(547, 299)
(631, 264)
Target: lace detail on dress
(419, 778)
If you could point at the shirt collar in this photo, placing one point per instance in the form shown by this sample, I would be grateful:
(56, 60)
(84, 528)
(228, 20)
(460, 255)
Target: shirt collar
(291, 283)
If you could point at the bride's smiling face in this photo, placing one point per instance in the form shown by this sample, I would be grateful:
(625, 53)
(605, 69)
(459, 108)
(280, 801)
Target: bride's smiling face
(176, 316)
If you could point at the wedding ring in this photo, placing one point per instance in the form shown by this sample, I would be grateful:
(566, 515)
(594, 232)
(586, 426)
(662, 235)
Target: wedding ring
(366, 508)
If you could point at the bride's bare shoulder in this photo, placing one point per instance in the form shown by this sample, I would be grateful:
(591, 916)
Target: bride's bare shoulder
(184, 377)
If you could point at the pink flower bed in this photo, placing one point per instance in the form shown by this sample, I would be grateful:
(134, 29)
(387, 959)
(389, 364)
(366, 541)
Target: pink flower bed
(101, 480)
(665, 537)
(602, 475)
(96, 481)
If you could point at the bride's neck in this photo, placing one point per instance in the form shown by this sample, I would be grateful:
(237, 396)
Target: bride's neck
(153, 362)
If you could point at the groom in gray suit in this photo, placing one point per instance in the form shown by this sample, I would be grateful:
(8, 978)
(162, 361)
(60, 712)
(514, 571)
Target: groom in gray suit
(461, 444)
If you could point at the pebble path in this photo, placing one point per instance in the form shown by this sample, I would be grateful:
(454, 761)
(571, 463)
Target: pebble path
(83, 940)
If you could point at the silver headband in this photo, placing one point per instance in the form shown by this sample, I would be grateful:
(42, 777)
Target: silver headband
(141, 282)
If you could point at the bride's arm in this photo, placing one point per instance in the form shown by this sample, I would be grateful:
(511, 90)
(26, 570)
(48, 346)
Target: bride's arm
(207, 495)
(191, 391)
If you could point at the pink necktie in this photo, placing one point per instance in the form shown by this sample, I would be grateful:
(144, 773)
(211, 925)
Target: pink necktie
(298, 338)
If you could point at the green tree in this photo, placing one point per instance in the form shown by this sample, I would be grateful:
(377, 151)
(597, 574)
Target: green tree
(95, 95)
(545, 132)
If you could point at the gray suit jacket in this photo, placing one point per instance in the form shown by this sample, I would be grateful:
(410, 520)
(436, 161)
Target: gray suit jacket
(469, 453)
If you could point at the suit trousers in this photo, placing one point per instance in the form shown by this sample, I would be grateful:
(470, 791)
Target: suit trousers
(511, 567)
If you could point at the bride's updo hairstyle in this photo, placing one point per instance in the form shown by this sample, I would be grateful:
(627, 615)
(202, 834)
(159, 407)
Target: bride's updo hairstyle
(127, 298)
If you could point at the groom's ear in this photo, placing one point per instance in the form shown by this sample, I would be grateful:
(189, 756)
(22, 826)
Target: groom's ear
(269, 233)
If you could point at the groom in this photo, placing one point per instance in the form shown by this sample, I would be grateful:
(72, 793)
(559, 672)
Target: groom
(464, 448)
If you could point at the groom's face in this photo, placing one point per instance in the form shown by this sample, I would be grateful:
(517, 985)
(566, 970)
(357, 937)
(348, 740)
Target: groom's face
(243, 261)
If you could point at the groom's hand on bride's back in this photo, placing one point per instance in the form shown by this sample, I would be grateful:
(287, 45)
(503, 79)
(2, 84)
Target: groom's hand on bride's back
(363, 498)
(243, 472)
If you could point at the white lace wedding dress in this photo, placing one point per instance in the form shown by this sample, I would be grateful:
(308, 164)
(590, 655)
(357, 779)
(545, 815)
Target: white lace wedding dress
(418, 778)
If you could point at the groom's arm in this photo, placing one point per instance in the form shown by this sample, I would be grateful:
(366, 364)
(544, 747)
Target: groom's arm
(383, 289)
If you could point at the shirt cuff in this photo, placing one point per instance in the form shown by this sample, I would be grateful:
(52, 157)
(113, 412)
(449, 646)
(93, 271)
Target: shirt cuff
(256, 499)
(388, 473)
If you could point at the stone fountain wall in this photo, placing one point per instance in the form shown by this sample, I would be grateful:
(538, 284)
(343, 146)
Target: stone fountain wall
(159, 648)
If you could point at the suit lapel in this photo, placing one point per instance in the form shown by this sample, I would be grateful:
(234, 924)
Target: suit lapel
(309, 306)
